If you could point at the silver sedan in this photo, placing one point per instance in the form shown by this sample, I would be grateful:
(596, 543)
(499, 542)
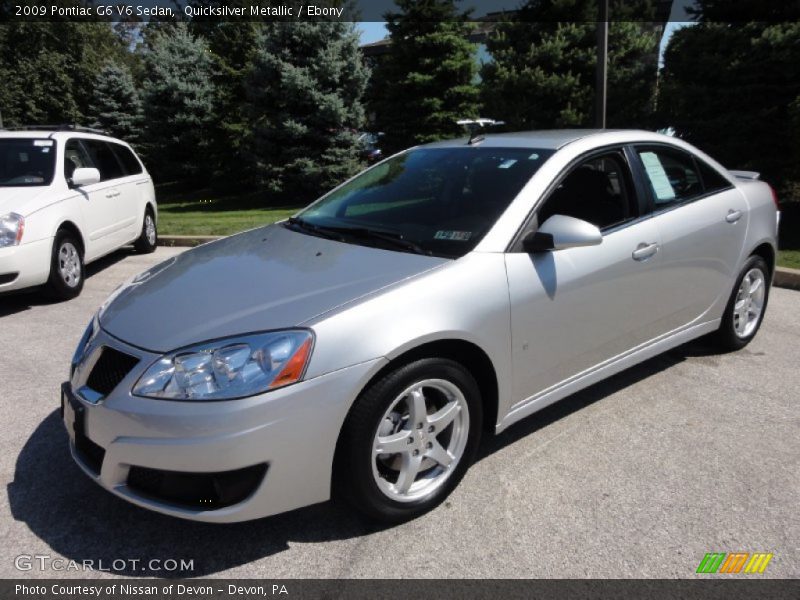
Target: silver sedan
(361, 348)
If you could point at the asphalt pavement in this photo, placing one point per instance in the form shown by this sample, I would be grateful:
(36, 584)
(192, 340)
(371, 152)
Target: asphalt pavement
(639, 476)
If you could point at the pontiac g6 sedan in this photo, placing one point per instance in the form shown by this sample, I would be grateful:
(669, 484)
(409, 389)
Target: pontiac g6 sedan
(359, 349)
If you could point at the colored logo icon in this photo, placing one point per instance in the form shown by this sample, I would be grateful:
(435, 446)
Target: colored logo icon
(734, 562)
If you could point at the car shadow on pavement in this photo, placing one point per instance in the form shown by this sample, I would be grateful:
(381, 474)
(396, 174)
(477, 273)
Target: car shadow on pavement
(16, 302)
(82, 522)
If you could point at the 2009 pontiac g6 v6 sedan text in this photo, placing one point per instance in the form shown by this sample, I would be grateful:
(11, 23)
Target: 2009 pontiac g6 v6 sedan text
(360, 348)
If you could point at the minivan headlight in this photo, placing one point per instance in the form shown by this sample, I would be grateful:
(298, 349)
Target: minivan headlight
(230, 368)
(12, 226)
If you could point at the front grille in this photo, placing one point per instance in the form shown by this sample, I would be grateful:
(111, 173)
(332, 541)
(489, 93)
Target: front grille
(90, 453)
(196, 491)
(110, 369)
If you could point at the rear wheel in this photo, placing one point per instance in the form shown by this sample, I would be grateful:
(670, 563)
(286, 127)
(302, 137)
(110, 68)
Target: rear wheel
(148, 240)
(746, 306)
(66, 267)
(409, 439)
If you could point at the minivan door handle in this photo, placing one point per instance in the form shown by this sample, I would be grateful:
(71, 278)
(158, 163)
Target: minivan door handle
(644, 251)
(733, 216)
(112, 194)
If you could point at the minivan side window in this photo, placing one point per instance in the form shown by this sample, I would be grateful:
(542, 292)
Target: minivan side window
(127, 158)
(672, 174)
(104, 159)
(75, 157)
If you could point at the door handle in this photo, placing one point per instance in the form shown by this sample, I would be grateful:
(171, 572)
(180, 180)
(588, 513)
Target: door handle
(644, 251)
(733, 216)
(113, 194)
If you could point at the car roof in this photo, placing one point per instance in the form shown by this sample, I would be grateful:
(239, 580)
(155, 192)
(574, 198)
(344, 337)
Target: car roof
(546, 138)
(53, 134)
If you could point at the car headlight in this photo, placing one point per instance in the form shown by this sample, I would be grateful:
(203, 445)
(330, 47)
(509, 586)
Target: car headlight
(86, 339)
(12, 226)
(230, 368)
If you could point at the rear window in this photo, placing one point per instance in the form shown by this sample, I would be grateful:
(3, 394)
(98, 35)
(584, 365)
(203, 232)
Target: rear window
(27, 162)
(712, 180)
(127, 158)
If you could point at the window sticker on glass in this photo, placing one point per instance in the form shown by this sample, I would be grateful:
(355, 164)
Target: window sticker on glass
(507, 164)
(658, 177)
(453, 236)
(43, 143)
(534, 156)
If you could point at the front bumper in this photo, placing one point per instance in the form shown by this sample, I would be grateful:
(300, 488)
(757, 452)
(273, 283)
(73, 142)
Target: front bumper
(291, 431)
(25, 266)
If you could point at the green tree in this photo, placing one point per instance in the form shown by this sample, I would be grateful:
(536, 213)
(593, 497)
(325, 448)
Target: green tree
(117, 107)
(178, 97)
(48, 70)
(731, 89)
(427, 81)
(542, 72)
(305, 96)
(232, 48)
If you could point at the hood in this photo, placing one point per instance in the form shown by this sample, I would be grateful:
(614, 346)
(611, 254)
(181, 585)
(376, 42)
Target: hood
(20, 199)
(268, 278)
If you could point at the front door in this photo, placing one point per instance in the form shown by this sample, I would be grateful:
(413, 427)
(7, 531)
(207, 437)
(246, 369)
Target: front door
(574, 309)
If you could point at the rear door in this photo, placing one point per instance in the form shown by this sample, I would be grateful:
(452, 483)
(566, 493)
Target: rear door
(702, 220)
(573, 309)
(130, 201)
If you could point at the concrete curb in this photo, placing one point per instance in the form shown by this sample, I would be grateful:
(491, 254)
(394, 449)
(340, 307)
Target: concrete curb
(186, 240)
(787, 278)
(784, 276)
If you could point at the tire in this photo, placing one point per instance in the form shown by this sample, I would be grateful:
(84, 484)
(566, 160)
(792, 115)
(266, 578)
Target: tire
(66, 267)
(748, 301)
(381, 485)
(148, 239)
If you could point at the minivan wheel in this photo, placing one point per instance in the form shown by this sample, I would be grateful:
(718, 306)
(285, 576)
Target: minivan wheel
(746, 306)
(66, 267)
(148, 240)
(409, 439)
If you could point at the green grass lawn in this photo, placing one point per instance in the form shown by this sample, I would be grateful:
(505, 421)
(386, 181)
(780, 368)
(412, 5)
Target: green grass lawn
(203, 213)
(789, 258)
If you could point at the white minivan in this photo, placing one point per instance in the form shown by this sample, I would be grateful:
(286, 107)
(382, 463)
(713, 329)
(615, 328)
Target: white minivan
(68, 196)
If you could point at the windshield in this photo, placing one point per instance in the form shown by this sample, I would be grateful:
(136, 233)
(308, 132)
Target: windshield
(26, 162)
(441, 201)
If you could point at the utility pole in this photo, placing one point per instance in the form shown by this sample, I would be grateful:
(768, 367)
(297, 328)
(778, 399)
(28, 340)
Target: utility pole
(601, 85)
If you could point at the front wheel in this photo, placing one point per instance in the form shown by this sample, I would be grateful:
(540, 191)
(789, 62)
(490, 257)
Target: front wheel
(66, 267)
(148, 239)
(746, 306)
(409, 440)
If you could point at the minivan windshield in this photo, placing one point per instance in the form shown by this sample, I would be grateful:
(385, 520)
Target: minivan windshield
(26, 162)
(435, 201)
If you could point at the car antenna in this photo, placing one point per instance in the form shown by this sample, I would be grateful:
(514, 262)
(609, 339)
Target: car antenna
(475, 125)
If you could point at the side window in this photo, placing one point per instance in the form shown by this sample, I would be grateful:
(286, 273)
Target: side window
(598, 190)
(712, 180)
(672, 174)
(104, 159)
(75, 157)
(127, 158)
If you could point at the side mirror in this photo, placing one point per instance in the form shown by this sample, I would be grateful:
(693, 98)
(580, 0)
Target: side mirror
(560, 232)
(81, 177)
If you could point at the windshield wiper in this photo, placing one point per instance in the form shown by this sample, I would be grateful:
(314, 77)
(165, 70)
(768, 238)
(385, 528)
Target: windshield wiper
(324, 232)
(338, 234)
(395, 239)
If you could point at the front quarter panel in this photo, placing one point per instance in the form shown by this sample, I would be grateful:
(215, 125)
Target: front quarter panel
(465, 300)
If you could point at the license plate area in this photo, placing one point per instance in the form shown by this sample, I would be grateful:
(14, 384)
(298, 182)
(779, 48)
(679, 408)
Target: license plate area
(73, 413)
